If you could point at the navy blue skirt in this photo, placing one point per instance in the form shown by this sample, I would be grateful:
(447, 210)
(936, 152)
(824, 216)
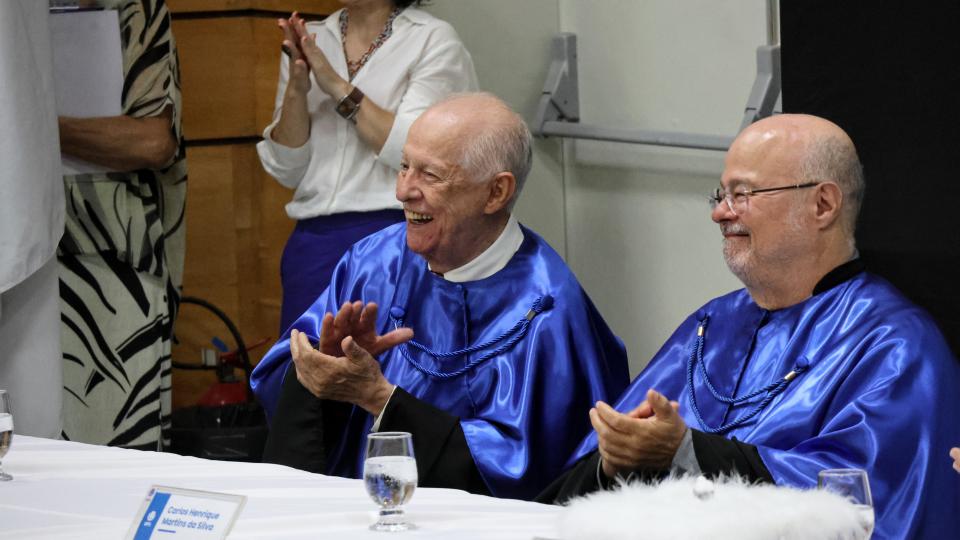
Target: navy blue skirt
(312, 252)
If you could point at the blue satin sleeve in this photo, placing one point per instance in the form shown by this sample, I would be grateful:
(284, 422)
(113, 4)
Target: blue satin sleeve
(896, 416)
(663, 373)
(266, 380)
(522, 410)
(520, 437)
(879, 395)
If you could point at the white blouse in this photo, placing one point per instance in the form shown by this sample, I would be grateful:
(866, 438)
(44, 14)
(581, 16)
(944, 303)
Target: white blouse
(422, 62)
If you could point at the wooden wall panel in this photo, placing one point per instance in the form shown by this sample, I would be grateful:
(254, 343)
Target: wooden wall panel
(266, 36)
(275, 228)
(210, 270)
(217, 72)
(284, 6)
(229, 68)
(236, 223)
(236, 229)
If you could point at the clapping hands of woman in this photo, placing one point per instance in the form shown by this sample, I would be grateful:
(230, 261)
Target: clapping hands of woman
(307, 57)
(299, 80)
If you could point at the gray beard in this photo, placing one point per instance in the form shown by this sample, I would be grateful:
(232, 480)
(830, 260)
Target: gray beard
(738, 264)
(762, 270)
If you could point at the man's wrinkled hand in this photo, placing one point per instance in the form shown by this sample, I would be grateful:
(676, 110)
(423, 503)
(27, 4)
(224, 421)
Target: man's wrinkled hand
(359, 322)
(647, 437)
(354, 377)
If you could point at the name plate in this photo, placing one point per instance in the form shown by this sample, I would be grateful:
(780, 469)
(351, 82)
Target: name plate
(185, 514)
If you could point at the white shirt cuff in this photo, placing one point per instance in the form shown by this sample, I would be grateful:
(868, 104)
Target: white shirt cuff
(297, 157)
(284, 163)
(685, 460)
(600, 474)
(376, 423)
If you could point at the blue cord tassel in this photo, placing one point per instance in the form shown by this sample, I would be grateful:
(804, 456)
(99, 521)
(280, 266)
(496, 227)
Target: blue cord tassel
(771, 390)
(511, 337)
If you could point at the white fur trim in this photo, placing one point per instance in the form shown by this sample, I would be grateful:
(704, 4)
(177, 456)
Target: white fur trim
(736, 510)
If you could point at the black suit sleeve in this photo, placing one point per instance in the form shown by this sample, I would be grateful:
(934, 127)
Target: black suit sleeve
(304, 427)
(443, 457)
(719, 455)
(716, 456)
(580, 479)
(585, 477)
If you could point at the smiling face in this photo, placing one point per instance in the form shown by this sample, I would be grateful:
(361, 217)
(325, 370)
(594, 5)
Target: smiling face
(776, 229)
(450, 219)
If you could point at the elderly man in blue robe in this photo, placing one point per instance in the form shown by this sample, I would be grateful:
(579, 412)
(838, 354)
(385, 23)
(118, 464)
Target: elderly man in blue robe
(816, 364)
(459, 326)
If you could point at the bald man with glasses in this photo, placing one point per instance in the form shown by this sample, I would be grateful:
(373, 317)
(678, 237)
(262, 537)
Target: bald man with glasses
(815, 364)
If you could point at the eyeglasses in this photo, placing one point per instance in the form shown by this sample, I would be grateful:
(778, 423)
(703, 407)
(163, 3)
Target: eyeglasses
(739, 201)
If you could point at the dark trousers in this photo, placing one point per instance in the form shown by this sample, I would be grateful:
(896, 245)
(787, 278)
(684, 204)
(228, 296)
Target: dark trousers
(313, 250)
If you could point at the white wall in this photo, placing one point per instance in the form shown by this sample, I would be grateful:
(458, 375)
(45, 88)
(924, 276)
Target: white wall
(510, 42)
(639, 231)
(632, 221)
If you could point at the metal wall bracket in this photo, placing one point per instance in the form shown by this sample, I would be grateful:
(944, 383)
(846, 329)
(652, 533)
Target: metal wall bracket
(765, 95)
(558, 114)
(560, 100)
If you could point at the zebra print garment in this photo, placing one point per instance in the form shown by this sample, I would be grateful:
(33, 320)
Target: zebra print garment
(121, 262)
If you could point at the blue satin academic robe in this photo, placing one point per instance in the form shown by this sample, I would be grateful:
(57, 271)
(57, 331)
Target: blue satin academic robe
(522, 411)
(880, 394)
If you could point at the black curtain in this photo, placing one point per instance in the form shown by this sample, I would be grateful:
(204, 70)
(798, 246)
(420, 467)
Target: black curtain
(888, 72)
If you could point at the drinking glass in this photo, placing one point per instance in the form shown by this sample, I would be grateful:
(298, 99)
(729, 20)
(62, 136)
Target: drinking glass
(855, 487)
(390, 476)
(6, 430)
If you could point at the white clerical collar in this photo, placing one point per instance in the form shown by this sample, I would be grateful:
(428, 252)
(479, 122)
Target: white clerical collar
(493, 259)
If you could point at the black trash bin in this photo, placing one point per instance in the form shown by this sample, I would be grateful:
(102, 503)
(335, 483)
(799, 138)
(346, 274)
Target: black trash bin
(228, 431)
(232, 432)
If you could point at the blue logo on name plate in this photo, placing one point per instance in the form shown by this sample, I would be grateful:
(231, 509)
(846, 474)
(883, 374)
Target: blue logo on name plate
(153, 512)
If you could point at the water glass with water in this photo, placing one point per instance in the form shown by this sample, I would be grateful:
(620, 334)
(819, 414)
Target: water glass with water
(6, 430)
(853, 485)
(390, 476)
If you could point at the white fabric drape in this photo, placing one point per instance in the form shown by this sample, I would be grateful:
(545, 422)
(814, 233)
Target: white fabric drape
(66, 490)
(31, 220)
(31, 191)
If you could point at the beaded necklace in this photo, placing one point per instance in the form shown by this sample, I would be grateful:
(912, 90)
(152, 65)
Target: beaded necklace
(354, 66)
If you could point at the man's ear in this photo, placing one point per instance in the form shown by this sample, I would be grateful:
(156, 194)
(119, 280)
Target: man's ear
(829, 203)
(502, 188)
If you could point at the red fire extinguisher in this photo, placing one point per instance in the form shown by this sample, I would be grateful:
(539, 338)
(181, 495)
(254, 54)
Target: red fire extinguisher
(229, 388)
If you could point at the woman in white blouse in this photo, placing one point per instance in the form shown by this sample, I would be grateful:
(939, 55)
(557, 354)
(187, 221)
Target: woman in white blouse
(336, 137)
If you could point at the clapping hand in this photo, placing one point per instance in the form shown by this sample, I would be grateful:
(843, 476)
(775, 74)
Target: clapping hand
(299, 80)
(344, 368)
(955, 454)
(646, 437)
(326, 77)
(358, 321)
(353, 378)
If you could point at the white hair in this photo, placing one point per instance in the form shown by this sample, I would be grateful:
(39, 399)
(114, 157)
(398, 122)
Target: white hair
(503, 144)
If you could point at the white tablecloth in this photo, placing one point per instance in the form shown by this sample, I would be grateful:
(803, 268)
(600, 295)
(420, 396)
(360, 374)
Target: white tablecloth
(65, 490)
